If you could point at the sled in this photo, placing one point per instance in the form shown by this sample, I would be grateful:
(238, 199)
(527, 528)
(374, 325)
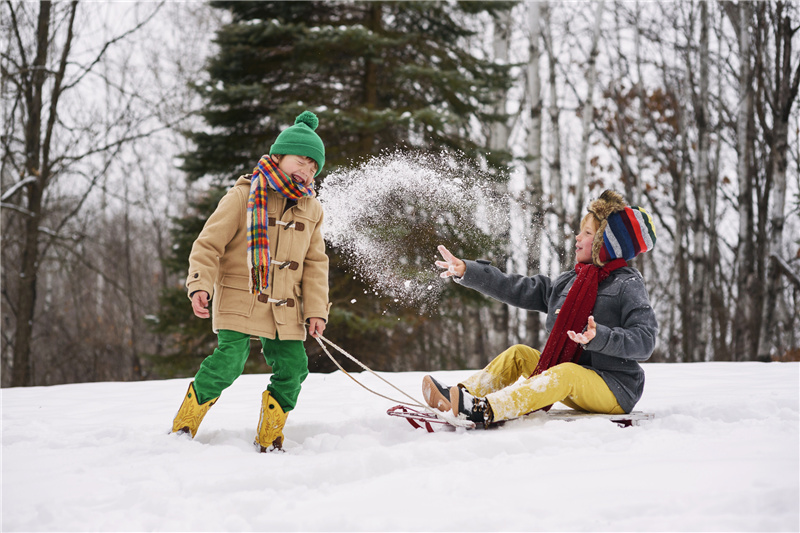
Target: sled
(429, 421)
(634, 418)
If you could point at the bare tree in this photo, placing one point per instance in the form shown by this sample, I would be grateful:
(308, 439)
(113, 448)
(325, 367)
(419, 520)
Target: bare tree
(746, 274)
(555, 168)
(533, 191)
(499, 134)
(587, 113)
(28, 70)
(704, 188)
(779, 92)
(73, 278)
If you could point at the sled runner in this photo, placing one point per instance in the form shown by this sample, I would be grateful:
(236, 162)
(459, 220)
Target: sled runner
(421, 419)
(634, 418)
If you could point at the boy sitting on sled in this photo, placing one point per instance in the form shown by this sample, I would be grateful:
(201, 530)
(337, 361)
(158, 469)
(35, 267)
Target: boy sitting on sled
(599, 320)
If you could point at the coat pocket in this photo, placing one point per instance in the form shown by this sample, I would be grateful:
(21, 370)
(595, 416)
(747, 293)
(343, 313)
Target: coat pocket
(235, 297)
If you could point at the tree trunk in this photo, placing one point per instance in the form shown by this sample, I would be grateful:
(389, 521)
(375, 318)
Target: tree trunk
(745, 263)
(683, 286)
(499, 130)
(557, 193)
(588, 115)
(719, 322)
(375, 22)
(26, 296)
(703, 190)
(785, 93)
(533, 166)
(504, 316)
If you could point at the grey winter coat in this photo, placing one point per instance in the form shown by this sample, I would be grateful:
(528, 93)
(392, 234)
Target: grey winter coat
(626, 324)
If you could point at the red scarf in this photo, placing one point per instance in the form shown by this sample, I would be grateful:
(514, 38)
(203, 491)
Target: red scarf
(574, 315)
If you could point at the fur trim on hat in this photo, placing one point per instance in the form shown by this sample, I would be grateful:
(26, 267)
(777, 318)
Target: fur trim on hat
(597, 242)
(609, 202)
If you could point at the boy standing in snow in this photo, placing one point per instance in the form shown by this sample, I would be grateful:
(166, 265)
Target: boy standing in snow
(603, 298)
(261, 257)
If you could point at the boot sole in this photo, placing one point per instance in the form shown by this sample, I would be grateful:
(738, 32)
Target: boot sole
(277, 446)
(434, 394)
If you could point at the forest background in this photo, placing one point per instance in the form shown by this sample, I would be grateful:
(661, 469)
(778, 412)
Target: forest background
(123, 123)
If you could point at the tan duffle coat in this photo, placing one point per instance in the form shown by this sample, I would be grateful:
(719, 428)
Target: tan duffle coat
(298, 276)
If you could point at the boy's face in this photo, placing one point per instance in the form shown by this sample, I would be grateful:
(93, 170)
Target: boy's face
(584, 240)
(298, 167)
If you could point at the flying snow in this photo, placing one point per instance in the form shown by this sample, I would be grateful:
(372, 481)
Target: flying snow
(388, 214)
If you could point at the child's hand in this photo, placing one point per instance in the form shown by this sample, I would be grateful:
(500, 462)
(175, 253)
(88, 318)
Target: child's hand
(586, 336)
(315, 327)
(454, 265)
(200, 304)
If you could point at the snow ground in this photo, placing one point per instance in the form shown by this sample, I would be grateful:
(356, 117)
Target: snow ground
(721, 455)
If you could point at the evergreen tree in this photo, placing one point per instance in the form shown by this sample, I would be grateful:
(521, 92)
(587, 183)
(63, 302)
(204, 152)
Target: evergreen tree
(379, 75)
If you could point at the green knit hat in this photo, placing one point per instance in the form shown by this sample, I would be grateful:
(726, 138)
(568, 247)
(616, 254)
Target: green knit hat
(301, 139)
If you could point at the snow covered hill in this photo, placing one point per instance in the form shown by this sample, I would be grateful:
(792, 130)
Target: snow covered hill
(721, 455)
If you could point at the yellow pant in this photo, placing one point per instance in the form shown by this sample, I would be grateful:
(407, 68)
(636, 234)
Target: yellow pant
(573, 385)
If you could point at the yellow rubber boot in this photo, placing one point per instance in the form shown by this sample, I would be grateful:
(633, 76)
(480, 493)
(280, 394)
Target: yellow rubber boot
(191, 413)
(270, 424)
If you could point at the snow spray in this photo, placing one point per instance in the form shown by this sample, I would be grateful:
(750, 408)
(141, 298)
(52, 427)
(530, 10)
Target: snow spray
(387, 215)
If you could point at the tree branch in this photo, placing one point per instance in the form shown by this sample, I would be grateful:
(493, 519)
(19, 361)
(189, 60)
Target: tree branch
(14, 188)
(786, 269)
(108, 44)
(51, 119)
(17, 208)
(15, 25)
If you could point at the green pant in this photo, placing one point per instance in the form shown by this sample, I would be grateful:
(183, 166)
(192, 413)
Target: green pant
(219, 370)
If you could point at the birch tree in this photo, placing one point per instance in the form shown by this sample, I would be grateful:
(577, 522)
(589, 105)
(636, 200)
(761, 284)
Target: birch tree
(779, 92)
(555, 168)
(533, 191)
(587, 112)
(500, 132)
(703, 189)
(745, 278)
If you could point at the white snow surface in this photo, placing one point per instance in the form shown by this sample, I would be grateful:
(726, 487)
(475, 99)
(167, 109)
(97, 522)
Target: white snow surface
(721, 455)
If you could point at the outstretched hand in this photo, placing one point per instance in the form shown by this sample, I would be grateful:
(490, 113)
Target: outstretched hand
(454, 265)
(586, 336)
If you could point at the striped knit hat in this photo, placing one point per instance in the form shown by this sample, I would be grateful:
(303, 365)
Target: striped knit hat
(623, 231)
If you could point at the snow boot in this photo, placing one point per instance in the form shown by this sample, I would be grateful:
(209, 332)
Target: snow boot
(191, 413)
(436, 395)
(270, 424)
(476, 409)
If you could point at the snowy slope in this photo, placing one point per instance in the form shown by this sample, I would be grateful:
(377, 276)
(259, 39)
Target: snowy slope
(721, 455)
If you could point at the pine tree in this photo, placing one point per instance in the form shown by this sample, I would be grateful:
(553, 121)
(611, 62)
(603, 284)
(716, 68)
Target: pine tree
(379, 75)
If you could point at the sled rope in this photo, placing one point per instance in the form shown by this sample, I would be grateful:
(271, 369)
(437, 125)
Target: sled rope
(365, 367)
(432, 412)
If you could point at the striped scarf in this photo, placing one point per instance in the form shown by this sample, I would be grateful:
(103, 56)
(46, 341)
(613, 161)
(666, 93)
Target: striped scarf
(266, 174)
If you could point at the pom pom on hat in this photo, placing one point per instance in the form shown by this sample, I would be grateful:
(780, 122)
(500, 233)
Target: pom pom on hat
(623, 231)
(308, 118)
(301, 139)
